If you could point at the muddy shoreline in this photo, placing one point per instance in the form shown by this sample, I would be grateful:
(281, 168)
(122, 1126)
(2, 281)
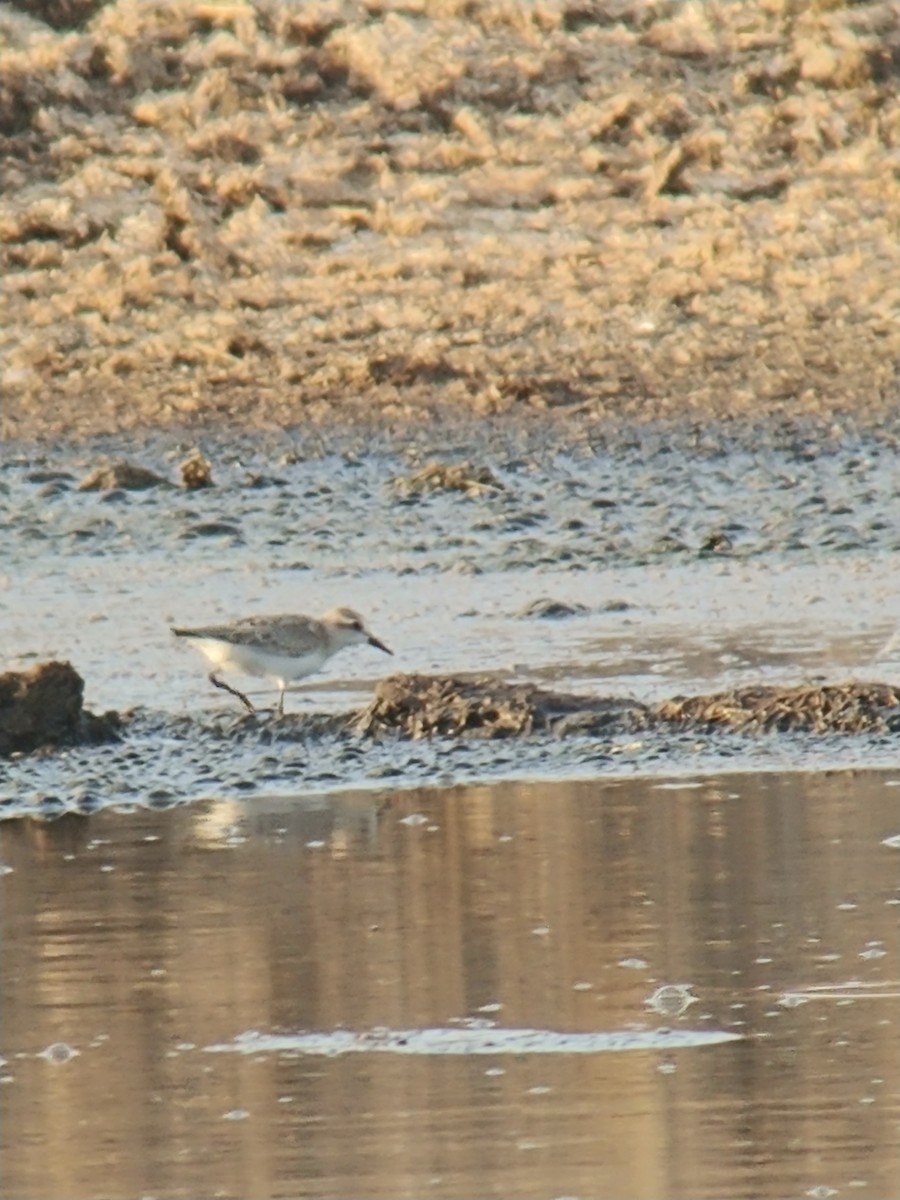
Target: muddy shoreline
(42, 710)
(432, 728)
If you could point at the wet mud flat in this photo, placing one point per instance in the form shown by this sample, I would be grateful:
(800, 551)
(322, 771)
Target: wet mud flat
(752, 566)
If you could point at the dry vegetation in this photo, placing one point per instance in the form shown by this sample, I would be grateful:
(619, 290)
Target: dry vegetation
(279, 212)
(832, 708)
(424, 705)
(420, 706)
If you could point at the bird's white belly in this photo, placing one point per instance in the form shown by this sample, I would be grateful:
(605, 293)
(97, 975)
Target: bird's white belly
(252, 660)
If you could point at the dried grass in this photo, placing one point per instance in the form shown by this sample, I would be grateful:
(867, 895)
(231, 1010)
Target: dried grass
(543, 191)
(423, 706)
(833, 708)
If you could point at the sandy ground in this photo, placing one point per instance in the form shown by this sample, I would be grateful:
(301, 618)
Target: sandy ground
(218, 214)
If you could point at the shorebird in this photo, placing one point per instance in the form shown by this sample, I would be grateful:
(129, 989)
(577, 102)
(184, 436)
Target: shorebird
(280, 648)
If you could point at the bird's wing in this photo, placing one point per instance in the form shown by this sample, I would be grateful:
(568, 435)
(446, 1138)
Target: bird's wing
(284, 634)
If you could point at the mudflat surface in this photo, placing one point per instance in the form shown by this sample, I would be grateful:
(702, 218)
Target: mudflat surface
(273, 215)
(687, 564)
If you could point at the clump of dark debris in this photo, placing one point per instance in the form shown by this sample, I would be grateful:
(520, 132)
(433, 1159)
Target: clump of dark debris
(831, 708)
(549, 609)
(423, 705)
(449, 477)
(196, 472)
(43, 707)
(124, 476)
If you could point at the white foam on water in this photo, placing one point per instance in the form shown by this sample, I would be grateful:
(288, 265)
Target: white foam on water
(473, 1040)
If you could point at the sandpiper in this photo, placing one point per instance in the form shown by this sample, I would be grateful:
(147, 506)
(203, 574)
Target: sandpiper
(280, 648)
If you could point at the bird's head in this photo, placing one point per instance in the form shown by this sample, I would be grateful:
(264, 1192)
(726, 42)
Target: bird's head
(351, 629)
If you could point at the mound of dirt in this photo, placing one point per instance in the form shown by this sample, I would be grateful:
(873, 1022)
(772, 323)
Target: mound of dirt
(121, 475)
(43, 707)
(424, 705)
(833, 708)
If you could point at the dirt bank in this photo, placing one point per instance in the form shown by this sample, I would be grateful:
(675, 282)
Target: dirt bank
(272, 214)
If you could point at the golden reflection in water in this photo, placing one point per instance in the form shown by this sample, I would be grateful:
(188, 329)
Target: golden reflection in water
(140, 939)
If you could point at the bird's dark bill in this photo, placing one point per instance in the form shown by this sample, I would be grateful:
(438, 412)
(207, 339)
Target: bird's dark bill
(373, 641)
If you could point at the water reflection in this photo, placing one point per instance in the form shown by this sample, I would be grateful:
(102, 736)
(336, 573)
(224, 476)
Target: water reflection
(138, 941)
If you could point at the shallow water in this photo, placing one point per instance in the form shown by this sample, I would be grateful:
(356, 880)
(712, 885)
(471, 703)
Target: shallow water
(289, 996)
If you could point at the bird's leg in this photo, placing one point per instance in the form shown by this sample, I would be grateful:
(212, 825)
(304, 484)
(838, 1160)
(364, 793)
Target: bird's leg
(279, 707)
(219, 683)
